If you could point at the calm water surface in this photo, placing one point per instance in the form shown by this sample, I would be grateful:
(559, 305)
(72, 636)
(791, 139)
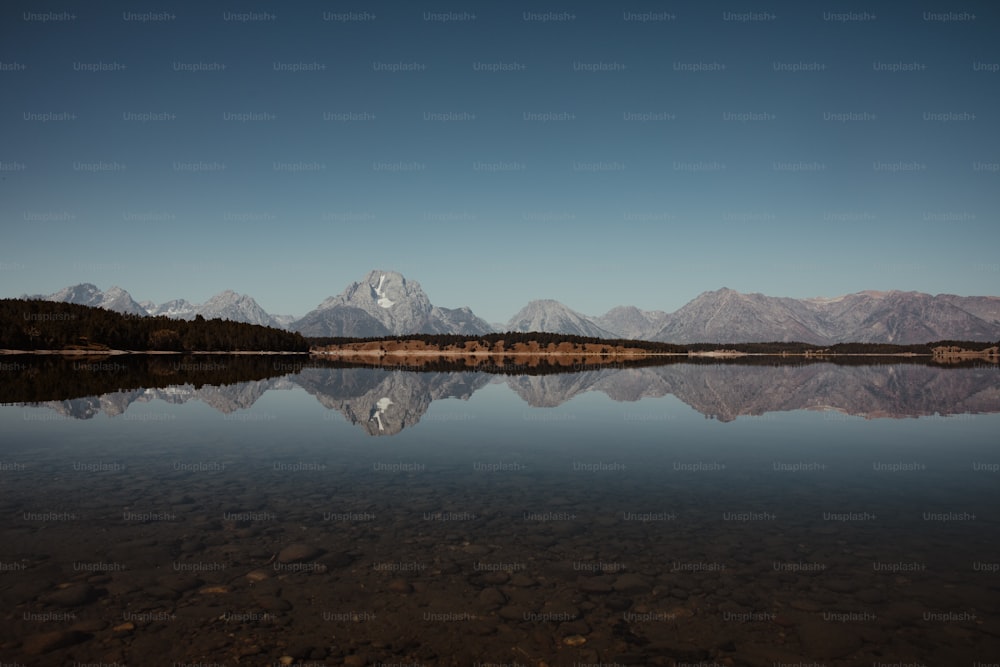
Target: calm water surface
(689, 514)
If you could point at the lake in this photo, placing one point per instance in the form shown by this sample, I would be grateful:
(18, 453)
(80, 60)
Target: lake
(277, 510)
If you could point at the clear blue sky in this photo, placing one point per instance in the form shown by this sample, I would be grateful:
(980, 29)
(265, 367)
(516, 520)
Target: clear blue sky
(864, 169)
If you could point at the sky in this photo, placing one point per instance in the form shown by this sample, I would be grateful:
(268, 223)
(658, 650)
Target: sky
(598, 153)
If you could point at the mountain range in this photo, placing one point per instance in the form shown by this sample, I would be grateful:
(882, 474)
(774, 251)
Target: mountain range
(384, 303)
(227, 305)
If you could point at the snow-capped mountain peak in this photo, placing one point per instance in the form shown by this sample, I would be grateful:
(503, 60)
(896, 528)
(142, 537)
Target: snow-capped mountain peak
(384, 303)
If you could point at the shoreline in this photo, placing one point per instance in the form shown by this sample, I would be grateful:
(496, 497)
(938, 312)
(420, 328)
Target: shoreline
(115, 353)
(709, 353)
(454, 353)
(368, 354)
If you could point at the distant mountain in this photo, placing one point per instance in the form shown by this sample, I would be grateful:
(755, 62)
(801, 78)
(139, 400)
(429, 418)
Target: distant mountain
(554, 317)
(339, 320)
(229, 305)
(630, 322)
(180, 309)
(87, 294)
(384, 303)
(226, 305)
(911, 317)
(727, 316)
(458, 320)
(284, 321)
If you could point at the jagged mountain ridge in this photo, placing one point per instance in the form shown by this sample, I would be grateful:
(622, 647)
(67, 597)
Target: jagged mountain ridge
(384, 303)
(728, 316)
(87, 294)
(227, 305)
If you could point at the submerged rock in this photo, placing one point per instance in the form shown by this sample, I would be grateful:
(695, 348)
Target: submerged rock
(299, 553)
(50, 641)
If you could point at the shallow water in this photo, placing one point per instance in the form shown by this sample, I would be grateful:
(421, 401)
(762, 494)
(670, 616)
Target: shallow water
(684, 514)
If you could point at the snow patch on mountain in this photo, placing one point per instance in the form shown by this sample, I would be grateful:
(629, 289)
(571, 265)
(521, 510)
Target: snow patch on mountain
(383, 300)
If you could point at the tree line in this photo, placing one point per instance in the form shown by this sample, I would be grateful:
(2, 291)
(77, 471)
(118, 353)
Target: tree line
(34, 324)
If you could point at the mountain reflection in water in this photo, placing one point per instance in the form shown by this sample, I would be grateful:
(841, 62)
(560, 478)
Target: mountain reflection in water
(385, 401)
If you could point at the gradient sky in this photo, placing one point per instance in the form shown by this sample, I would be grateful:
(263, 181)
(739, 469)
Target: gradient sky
(744, 177)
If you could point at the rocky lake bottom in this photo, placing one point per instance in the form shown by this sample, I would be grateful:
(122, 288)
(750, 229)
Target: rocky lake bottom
(284, 537)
